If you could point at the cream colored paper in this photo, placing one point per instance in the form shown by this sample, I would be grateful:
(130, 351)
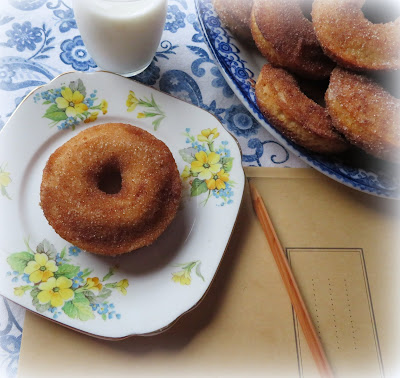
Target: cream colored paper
(340, 306)
(245, 325)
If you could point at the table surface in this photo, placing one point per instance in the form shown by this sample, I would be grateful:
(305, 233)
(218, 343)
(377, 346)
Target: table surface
(39, 40)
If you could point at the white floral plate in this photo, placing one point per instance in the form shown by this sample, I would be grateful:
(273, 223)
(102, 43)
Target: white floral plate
(143, 292)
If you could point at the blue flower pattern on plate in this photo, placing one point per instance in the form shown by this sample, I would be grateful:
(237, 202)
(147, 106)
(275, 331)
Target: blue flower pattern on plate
(74, 251)
(240, 121)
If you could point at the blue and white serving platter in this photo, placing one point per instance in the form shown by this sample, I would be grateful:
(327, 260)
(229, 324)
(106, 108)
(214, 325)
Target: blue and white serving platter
(240, 66)
(139, 293)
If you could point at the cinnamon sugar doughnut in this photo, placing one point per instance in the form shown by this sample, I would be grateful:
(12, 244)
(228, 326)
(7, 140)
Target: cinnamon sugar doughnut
(235, 15)
(299, 118)
(349, 38)
(365, 113)
(113, 221)
(286, 38)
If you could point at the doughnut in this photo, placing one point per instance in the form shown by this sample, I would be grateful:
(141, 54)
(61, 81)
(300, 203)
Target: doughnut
(353, 41)
(286, 38)
(365, 113)
(235, 15)
(295, 115)
(110, 189)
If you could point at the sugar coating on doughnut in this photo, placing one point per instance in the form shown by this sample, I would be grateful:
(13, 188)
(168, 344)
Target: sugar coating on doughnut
(365, 113)
(235, 15)
(349, 38)
(103, 223)
(287, 39)
(298, 117)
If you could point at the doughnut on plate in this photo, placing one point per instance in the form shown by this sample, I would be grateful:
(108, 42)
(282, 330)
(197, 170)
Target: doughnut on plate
(240, 65)
(142, 292)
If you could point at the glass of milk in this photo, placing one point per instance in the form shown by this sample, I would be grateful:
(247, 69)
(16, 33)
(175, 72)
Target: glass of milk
(122, 36)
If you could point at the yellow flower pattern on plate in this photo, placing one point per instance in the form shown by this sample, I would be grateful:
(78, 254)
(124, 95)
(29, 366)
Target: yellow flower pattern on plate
(5, 180)
(41, 268)
(210, 166)
(71, 102)
(55, 291)
(206, 165)
(70, 105)
(183, 276)
(153, 109)
(58, 286)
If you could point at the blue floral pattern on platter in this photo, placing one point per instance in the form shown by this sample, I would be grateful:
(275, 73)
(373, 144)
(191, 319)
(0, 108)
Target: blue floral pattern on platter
(378, 179)
(10, 339)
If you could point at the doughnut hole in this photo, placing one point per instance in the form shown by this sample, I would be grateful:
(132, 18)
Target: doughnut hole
(389, 80)
(314, 89)
(306, 6)
(109, 179)
(381, 12)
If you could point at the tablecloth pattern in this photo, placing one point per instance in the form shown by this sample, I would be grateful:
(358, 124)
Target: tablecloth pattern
(39, 40)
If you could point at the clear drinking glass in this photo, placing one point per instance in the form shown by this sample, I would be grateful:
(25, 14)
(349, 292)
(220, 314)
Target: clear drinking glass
(122, 36)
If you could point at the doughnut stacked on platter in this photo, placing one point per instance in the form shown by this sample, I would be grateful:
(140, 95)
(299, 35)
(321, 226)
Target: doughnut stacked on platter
(336, 44)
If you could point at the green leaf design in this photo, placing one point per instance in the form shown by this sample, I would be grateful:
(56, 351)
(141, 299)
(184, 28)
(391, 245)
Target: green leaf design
(188, 154)
(146, 104)
(198, 270)
(70, 310)
(19, 261)
(63, 252)
(103, 295)
(4, 192)
(149, 114)
(156, 123)
(90, 296)
(109, 274)
(55, 114)
(227, 163)
(46, 247)
(86, 273)
(78, 86)
(67, 270)
(79, 308)
(198, 187)
(40, 307)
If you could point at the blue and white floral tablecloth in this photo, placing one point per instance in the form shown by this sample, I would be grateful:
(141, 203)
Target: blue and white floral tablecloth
(39, 40)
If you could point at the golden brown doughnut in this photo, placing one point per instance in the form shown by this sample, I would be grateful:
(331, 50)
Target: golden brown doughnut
(235, 15)
(286, 38)
(80, 208)
(349, 38)
(366, 114)
(299, 118)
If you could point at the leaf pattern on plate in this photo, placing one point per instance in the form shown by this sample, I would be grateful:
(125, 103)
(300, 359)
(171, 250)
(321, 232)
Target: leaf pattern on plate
(153, 109)
(59, 286)
(70, 105)
(210, 166)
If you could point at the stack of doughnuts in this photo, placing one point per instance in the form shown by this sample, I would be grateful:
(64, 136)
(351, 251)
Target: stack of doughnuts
(336, 46)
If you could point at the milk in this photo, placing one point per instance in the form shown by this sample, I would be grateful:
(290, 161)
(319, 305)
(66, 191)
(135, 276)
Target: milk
(122, 36)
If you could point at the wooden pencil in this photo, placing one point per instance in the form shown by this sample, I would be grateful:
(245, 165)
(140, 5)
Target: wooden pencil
(285, 271)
